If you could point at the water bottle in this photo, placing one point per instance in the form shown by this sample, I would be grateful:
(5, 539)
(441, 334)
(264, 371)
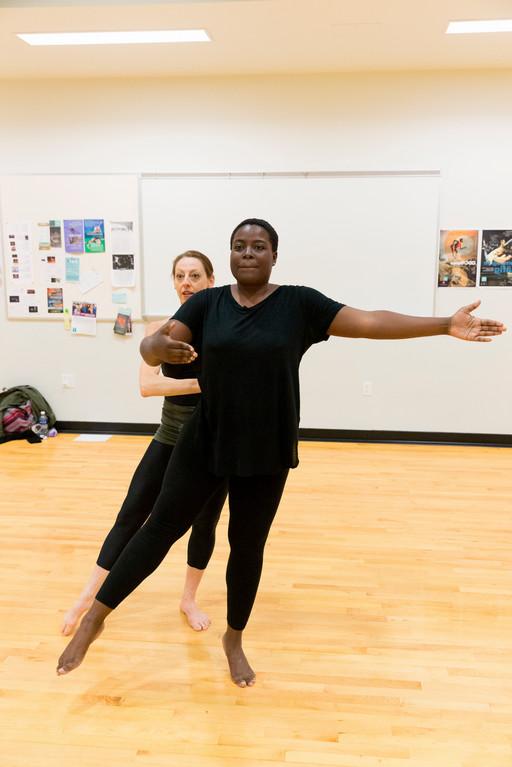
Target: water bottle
(41, 427)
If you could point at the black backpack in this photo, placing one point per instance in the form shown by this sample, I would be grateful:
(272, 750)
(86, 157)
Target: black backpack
(20, 408)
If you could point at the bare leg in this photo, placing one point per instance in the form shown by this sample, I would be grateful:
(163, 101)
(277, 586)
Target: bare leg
(241, 673)
(84, 601)
(197, 619)
(89, 630)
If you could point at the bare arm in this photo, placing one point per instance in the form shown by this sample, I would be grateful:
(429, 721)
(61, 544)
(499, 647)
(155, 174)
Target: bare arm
(152, 384)
(169, 343)
(356, 323)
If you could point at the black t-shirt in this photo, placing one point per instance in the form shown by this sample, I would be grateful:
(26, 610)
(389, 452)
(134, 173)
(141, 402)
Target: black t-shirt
(249, 409)
(180, 372)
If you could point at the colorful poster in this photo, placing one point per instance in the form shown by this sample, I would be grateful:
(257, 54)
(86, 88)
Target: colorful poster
(83, 319)
(55, 233)
(55, 300)
(72, 269)
(458, 258)
(496, 255)
(94, 229)
(74, 235)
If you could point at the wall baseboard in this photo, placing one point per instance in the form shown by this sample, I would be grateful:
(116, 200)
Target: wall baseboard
(317, 435)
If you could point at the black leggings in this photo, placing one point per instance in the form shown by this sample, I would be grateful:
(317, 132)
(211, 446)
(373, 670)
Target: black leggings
(142, 494)
(187, 487)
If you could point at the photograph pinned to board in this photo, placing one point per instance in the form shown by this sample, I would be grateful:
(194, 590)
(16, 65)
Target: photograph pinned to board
(496, 254)
(18, 252)
(94, 234)
(72, 269)
(83, 318)
(123, 323)
(458, 258)
(74, 235)
(55, 300)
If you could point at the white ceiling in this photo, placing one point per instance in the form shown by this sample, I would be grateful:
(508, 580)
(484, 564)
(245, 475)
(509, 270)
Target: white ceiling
(254, 37)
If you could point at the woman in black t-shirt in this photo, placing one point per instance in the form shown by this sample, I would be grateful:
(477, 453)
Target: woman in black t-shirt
(250, 337)
(191, 272)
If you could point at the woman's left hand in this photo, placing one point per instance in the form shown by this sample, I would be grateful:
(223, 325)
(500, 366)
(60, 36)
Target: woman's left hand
(468, 328)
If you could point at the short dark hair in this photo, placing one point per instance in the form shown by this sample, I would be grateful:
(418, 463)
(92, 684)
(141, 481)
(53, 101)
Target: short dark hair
(207, 264)
(274, 237)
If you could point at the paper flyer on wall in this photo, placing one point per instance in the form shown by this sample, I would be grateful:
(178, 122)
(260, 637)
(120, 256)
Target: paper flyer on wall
(43, 235)
(24, 303)
(55, 233)
(123, 270)
(74, 235)
(52, 269)
(18, 253)
(122, 237)
(72, 269)
(496, 258)
(83, 318)
(55, 300)
(458, 258)
(94, 232)
(89, 280)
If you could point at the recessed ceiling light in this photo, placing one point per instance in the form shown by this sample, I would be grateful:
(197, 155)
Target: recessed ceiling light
(117, 38)
(475, 27)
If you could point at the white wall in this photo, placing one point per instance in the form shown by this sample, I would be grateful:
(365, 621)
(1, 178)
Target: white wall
(456, 122)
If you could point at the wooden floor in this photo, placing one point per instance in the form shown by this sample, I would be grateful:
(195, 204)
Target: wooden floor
(382, 633)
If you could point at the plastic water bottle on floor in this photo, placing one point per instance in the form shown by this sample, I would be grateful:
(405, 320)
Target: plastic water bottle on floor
(41, 427)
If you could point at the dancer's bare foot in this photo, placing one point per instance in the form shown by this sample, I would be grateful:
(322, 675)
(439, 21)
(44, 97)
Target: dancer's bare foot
(197, 619)
(73, 615)
(84, 601)
(89, 630)
(241, 673)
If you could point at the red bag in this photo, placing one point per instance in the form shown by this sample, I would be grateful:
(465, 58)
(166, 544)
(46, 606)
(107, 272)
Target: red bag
(18, 418)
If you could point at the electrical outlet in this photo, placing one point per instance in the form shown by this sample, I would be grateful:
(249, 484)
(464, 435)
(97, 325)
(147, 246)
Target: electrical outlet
(68, 380)
(367, 388)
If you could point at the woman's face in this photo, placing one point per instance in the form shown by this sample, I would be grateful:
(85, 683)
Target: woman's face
(252, 257)
(190, 277)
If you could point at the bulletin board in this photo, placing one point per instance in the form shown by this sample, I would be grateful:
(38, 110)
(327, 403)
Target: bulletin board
(71, 244)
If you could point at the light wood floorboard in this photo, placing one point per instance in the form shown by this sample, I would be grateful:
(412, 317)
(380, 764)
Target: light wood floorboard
(382, 633)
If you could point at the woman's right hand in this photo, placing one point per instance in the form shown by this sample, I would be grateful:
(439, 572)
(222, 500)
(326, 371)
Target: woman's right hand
(161, 346)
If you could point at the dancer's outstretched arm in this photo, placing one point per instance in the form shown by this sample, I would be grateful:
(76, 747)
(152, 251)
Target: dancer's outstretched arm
(357, 323)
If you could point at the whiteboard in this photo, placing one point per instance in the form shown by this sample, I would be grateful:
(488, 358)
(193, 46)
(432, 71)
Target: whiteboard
(28, 202)
(366, 239)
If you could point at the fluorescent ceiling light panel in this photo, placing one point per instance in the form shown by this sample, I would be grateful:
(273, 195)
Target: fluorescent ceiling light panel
(117, 38)
(476, 27)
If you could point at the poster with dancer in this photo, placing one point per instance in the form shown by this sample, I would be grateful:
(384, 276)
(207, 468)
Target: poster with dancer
(496, 258)
(458, 258)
